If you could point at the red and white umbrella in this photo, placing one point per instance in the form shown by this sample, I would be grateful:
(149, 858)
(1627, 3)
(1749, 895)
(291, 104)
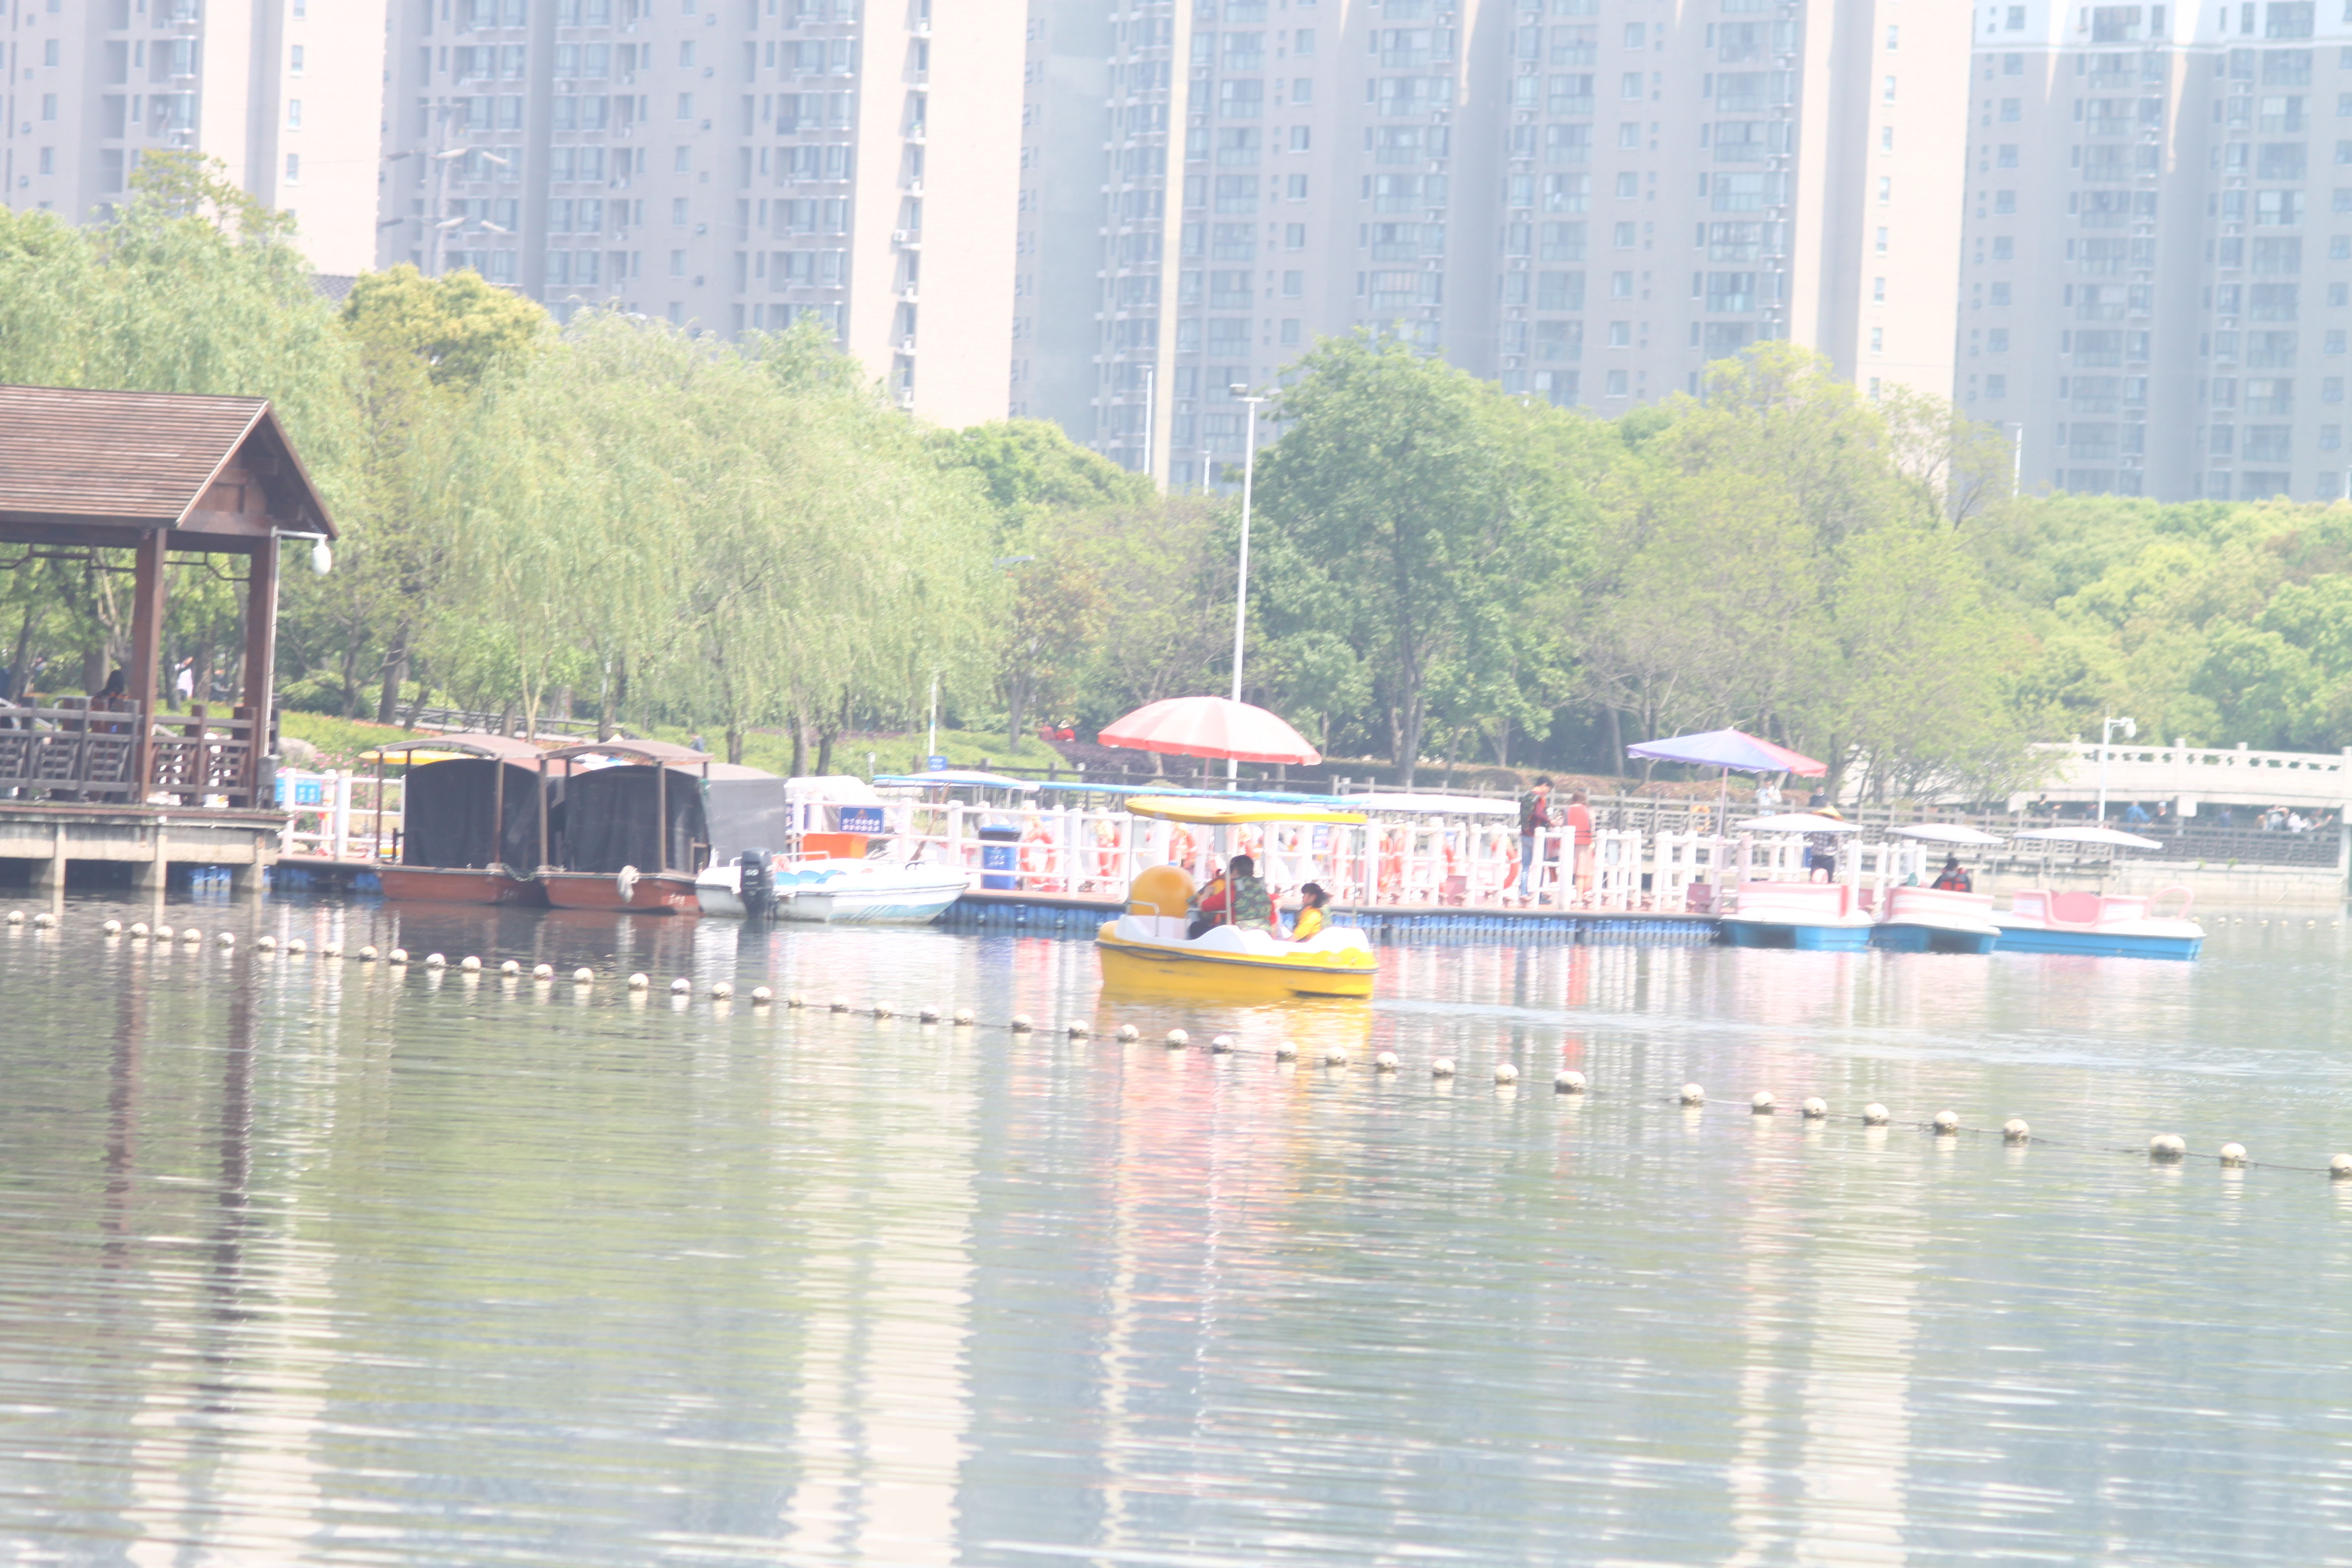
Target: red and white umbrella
(1211, 727)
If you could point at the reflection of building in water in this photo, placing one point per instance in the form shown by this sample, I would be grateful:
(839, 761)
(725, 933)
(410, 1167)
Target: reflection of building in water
(1820, 1470)
(234, 1392)
(884, 1206)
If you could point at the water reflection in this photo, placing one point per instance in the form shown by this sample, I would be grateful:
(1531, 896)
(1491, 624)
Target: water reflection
(320, 1261)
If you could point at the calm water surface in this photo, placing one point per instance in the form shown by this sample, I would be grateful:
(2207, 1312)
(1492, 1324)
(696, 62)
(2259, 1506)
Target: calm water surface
(303, 1261)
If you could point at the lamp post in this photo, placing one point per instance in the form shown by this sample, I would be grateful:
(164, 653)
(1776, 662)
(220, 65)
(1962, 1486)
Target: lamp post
(2107, 728)
(1241, 590)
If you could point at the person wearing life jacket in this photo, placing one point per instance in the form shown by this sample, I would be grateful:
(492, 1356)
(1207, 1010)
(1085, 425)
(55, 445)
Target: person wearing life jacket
(1535, 817)
(1954, 877)
(1310, 920)
(1210, 909)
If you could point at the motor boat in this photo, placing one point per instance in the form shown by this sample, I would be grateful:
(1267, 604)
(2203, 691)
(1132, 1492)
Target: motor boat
(1149, 945)
(1936, 919)
(829, 890)
(2108, 925)
(1814, 916)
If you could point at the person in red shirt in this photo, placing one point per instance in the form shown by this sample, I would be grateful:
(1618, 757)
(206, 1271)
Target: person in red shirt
(1577, 823)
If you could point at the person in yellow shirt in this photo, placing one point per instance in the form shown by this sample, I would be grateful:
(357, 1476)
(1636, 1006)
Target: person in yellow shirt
(1310, 918)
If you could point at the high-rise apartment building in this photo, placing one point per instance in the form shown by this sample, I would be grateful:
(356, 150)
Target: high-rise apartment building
(732, 164)
(286, 93)
(2157, 259)
(1585, 199)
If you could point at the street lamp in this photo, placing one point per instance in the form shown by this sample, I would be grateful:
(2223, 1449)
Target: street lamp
(2107, 728)
(1241, 590)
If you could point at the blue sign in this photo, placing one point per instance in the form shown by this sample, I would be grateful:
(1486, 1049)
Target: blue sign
(936, 763)
(862, 819)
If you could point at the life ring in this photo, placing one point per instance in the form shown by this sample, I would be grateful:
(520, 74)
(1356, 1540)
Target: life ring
(1393, 864)
(1036, 860)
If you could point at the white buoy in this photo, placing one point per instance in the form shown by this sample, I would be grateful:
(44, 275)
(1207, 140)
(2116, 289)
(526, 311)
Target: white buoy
(15, 917)
(681, 986)
(795, 1000)
(2233, 1153)
(436, 961)
(965, 1018)
(1223, 1045)
(397, 955)
(44, 921)
(2340, 1166)
(296, 947)
(264, 943)
(1129, 1033)
(1692, 1095)
(882, 1009)
(2166, 1146)
(1947, 1121)
(510, 967)
(1442, 1067)
(838, 1004)
(192, 934)
(1335, 1057)
(929, 1015)
(1762, 1102)
(1021, 1024)
(1287, 1051)
(1874, 1115)
(1505, 1073)
(1816, 1107)
(584, 975)
(1178, 1039)
(138, 929)
(330, 950)
(638, 982)
(1386, 1062)
(761, 996)
(2015, 1130)
(1570, 1082)
(367, 955)
(542, 972)
(112, 928)
(723, 990)
(471, 964)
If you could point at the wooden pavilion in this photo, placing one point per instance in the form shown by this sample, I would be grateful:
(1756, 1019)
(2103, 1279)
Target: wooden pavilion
(174, 479)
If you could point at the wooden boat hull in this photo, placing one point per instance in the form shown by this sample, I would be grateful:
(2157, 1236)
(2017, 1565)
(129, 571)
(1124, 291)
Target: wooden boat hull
(661, 894)
(460, 885)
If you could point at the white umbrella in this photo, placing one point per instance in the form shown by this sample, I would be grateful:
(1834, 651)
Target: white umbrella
(1944, 833)
(2106, 836)
(1798, 821)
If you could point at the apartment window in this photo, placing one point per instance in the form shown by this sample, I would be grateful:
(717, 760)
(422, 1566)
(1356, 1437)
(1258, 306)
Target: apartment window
(48, 106)
(677, 211)
(48, 161)
(686, 106)
(686, 55)
(1621, 284)
(1620, 335)
(293, 168)
(1294, 237)
(1629, 186)
(1877, 340)
(1617, 384)
(2005, 157)
(1885, 189)
(1294, 284)
(1629, 136)
(2004, 248)
(1878, 291)
(294, 114)
(49, 53)
(1886, 92)
(294, 61)
(1882, 242)
(1995, 386)
(1997, 294)
(1297, 187)
(1893, 37)
(1630, 85)
(2004, 203)
(1622, 237)
(1303, 41)
(1997, 340)
(677, 263)
(2011, 109)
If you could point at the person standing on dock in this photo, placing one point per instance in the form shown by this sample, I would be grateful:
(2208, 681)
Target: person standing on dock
(1535, 816)
(1576, 825)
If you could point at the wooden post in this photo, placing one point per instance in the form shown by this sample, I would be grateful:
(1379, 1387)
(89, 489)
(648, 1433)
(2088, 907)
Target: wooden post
(542, 817)
(141, 684)
(261, 659)
(661, 812)
(498, 811)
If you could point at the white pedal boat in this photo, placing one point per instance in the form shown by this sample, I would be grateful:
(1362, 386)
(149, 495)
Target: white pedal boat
(1933, 920)
(841, 892)
(2108, 925)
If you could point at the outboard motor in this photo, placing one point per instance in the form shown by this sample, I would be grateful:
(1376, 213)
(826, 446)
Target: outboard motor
(758, 883)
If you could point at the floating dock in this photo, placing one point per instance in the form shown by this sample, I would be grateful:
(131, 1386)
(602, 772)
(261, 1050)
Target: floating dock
(1047, 914)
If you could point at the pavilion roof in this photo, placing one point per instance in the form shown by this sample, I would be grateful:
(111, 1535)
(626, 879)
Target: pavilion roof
(89, 465)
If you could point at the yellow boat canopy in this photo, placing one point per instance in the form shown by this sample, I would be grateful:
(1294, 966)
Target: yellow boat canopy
(1228, 814)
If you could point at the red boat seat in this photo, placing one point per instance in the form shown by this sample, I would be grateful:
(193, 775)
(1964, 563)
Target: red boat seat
(2076, 908)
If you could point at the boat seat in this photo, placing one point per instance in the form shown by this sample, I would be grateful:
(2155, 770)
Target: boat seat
(2076, 908)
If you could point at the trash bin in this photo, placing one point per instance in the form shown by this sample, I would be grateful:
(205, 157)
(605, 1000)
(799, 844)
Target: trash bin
(1000, 859)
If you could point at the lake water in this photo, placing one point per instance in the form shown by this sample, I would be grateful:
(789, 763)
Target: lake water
(307, 1261)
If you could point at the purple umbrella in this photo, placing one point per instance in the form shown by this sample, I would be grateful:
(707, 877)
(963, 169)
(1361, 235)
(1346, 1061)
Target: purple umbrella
(1732, 749)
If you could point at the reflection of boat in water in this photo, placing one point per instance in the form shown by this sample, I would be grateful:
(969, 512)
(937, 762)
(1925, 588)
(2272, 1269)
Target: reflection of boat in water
(469, 817)
(2104, 925)
(1148, 946)
(633, 833)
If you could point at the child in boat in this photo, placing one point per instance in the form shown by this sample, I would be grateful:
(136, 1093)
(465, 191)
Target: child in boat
(1310, 920)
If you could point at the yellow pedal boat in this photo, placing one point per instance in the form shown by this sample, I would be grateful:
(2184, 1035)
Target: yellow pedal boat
(1147, 947)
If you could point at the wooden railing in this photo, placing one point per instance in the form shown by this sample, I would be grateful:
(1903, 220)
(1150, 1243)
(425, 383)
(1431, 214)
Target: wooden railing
(86, 750)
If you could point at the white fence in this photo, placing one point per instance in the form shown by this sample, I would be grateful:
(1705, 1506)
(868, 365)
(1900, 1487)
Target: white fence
(343, 816)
